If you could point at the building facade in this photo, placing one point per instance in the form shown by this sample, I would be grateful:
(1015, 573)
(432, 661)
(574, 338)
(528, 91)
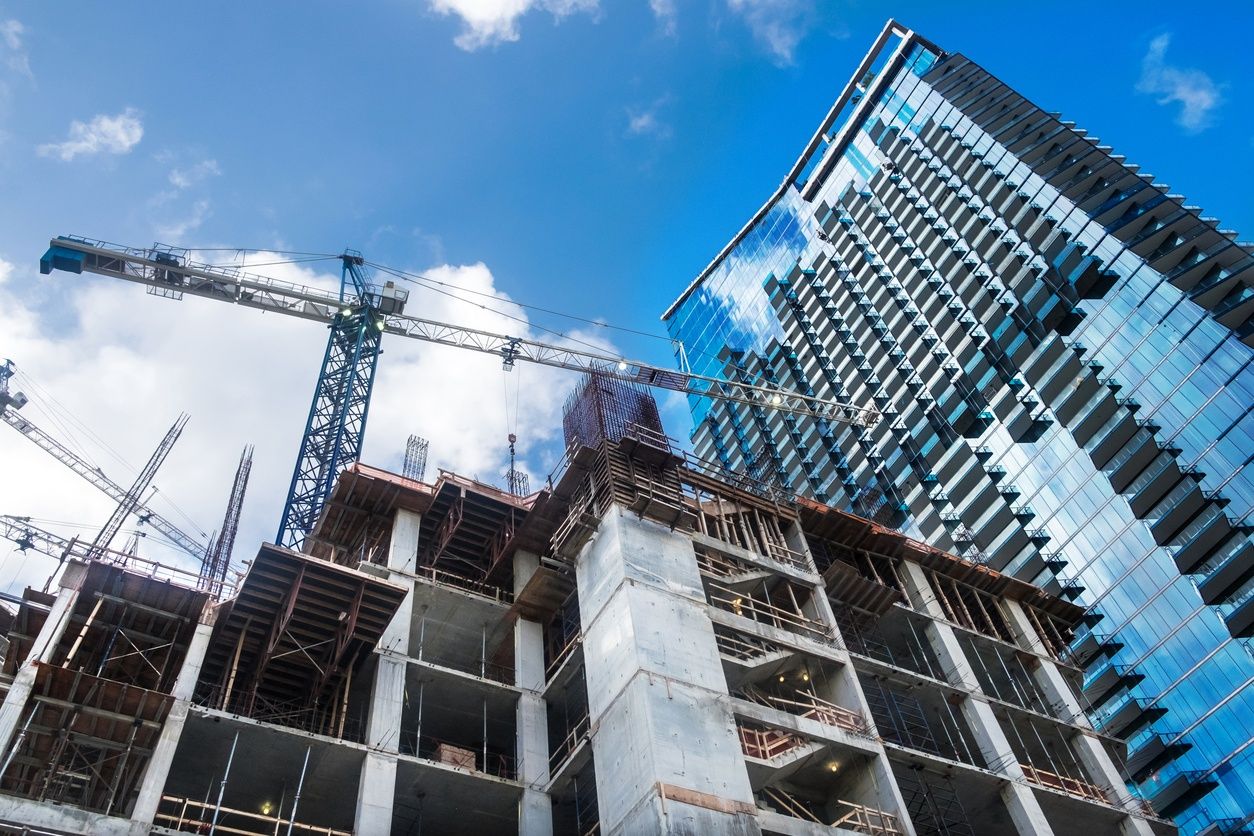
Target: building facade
(643, 646)
(1061, 351)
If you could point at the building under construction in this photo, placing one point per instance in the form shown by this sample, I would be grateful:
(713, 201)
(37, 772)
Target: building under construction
(644, 645)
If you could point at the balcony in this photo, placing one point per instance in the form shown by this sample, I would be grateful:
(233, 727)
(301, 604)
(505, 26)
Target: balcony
(1240, 620)
(1102, 683)
(1126, 715)
(1173, 793)
(1092, 646)
(1150, 751)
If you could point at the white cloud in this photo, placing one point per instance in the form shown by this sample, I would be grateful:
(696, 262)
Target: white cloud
(13, 50)
(175, 231)
(490, 22)
(184, 178)
(647, 121)
(103, 134)
(1195, 91)
(6, 270)
(127, 363)
(667, 14)
(778, 25)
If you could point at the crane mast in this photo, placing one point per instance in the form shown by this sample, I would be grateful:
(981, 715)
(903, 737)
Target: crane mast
(358, 315)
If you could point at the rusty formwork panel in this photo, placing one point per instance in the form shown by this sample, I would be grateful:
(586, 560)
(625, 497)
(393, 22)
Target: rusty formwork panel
(85, 740)
(102, 693)
(285, 648)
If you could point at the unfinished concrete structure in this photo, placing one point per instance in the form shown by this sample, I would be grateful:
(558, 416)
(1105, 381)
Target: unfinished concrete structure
(646, 645)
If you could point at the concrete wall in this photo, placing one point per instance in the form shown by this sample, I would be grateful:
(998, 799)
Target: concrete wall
(656, 692)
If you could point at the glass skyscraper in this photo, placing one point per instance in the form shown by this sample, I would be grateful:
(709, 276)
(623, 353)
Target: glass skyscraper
(1061, 352)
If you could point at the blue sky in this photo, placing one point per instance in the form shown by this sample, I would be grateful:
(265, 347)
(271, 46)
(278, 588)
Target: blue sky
(582, 156)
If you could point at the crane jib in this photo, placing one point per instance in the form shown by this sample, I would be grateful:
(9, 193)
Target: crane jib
(337, 418)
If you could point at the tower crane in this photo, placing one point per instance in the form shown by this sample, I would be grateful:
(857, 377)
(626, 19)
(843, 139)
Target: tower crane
(11, 402)
(358, 315)
(26, 536)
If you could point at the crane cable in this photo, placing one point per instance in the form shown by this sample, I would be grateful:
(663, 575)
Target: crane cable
(438, 286)
(418, 278)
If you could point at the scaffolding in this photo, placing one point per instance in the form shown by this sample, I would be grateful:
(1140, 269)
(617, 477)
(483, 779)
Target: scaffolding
(903, 719)
(858, 818)
(101, 694)
(932, 804)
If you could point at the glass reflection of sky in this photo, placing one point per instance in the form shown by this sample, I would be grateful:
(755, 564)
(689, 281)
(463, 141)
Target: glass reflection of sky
(1191, 376)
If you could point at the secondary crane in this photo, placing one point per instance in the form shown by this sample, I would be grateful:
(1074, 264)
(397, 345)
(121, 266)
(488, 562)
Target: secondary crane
(28, 536)
(358, 315)
(11, 402)
(130, 502)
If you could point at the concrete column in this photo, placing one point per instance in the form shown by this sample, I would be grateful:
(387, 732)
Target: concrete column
(158, 769)
(375, 794)
(43, 649)
(1025, 811)
(403, 548)
(1097, 762)
(667, 751)
(878, 786)
(376, 790)
(535, 808)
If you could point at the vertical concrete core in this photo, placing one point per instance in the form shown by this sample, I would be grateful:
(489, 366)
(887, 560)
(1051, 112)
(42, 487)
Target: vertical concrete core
(667, 755)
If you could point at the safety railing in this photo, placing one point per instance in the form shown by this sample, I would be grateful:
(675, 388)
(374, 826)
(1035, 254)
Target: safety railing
(191, 816)
(563, 751)
(562, 655)
(749, 607)
(745, 648)
(329, 720)
(1071, 786)
(869, 820)
(767, 744)
(440, 577)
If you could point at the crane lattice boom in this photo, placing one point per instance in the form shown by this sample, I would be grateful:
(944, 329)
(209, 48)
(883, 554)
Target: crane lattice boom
(359, 314)
(107, 486)
(173, 275)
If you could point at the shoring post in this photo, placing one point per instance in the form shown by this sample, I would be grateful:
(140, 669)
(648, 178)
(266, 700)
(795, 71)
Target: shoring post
(213, 825)
(230, 682)
(17, 744)
(291, 822)
(418, 733)
(82, 634)
(278, 818)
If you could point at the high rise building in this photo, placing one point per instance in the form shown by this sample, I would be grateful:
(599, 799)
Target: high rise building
(647, 645)
(1061, 351)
